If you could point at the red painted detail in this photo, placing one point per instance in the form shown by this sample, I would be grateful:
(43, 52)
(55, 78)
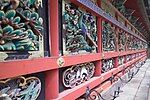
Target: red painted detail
(78, 59)
(51, 84)
(104, 86)
(79, 90)
(98, 65)
(23, 67)
(52, 77)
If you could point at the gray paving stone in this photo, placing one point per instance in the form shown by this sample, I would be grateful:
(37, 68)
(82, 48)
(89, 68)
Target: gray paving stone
(136, 89)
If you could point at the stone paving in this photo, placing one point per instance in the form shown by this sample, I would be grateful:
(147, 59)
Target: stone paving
(138, 87)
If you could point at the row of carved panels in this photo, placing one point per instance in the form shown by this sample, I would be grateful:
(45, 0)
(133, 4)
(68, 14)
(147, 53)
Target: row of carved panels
(29, 87)
(22, 31)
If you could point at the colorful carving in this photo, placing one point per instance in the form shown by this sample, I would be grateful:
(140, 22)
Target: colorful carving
(79, 30)
(108, 37)
(107, 65)
(119, 4)
(128, 57)
(20, 25)
(121, 60)
(121, 41)
(21, 29)
(78, 74)
(129, 42)
(20, 88)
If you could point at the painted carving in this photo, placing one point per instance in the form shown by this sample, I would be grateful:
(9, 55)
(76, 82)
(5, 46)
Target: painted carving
(21, 27)
(108, 37)
(119, 4)
(129, 42)
(78, 74)
(129, 57)
(20, 88)
(107, 65)
(121, 41)
(121, 60)
(79, 30)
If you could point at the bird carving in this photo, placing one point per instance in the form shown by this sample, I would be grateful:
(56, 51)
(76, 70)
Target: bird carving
(84, 30)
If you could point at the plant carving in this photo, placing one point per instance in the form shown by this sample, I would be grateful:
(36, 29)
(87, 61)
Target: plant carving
(20, 25)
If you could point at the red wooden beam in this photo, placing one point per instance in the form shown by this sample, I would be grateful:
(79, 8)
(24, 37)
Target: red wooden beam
(23, 67)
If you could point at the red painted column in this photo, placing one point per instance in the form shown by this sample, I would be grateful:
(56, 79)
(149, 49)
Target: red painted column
(52, 76)
(99, 42)
(98, 64)
(117, 48)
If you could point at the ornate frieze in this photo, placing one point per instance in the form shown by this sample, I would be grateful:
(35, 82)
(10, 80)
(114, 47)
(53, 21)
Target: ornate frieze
(107, 65)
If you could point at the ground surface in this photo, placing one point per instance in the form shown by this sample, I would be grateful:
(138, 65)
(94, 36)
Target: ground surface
(138, 87)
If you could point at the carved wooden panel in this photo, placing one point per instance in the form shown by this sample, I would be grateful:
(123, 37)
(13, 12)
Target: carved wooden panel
(121, 41)
(107, 65)
(21, 29)
(28, 87)
(108, 37)
(77, 74)
(79, 29)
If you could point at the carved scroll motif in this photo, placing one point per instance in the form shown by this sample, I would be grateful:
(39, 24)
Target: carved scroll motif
(20, 88)
(121, 60)
(107, 65)
(78, 74)
(121, 41)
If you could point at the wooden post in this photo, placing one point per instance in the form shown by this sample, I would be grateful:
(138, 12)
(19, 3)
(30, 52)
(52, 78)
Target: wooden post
(117, 47)
(98, 64)
(52, 76)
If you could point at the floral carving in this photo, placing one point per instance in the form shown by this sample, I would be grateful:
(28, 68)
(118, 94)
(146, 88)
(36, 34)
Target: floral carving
(121, 41)
(20, 25)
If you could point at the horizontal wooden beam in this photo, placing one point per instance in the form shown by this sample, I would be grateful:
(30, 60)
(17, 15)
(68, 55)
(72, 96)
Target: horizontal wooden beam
(23, 67)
